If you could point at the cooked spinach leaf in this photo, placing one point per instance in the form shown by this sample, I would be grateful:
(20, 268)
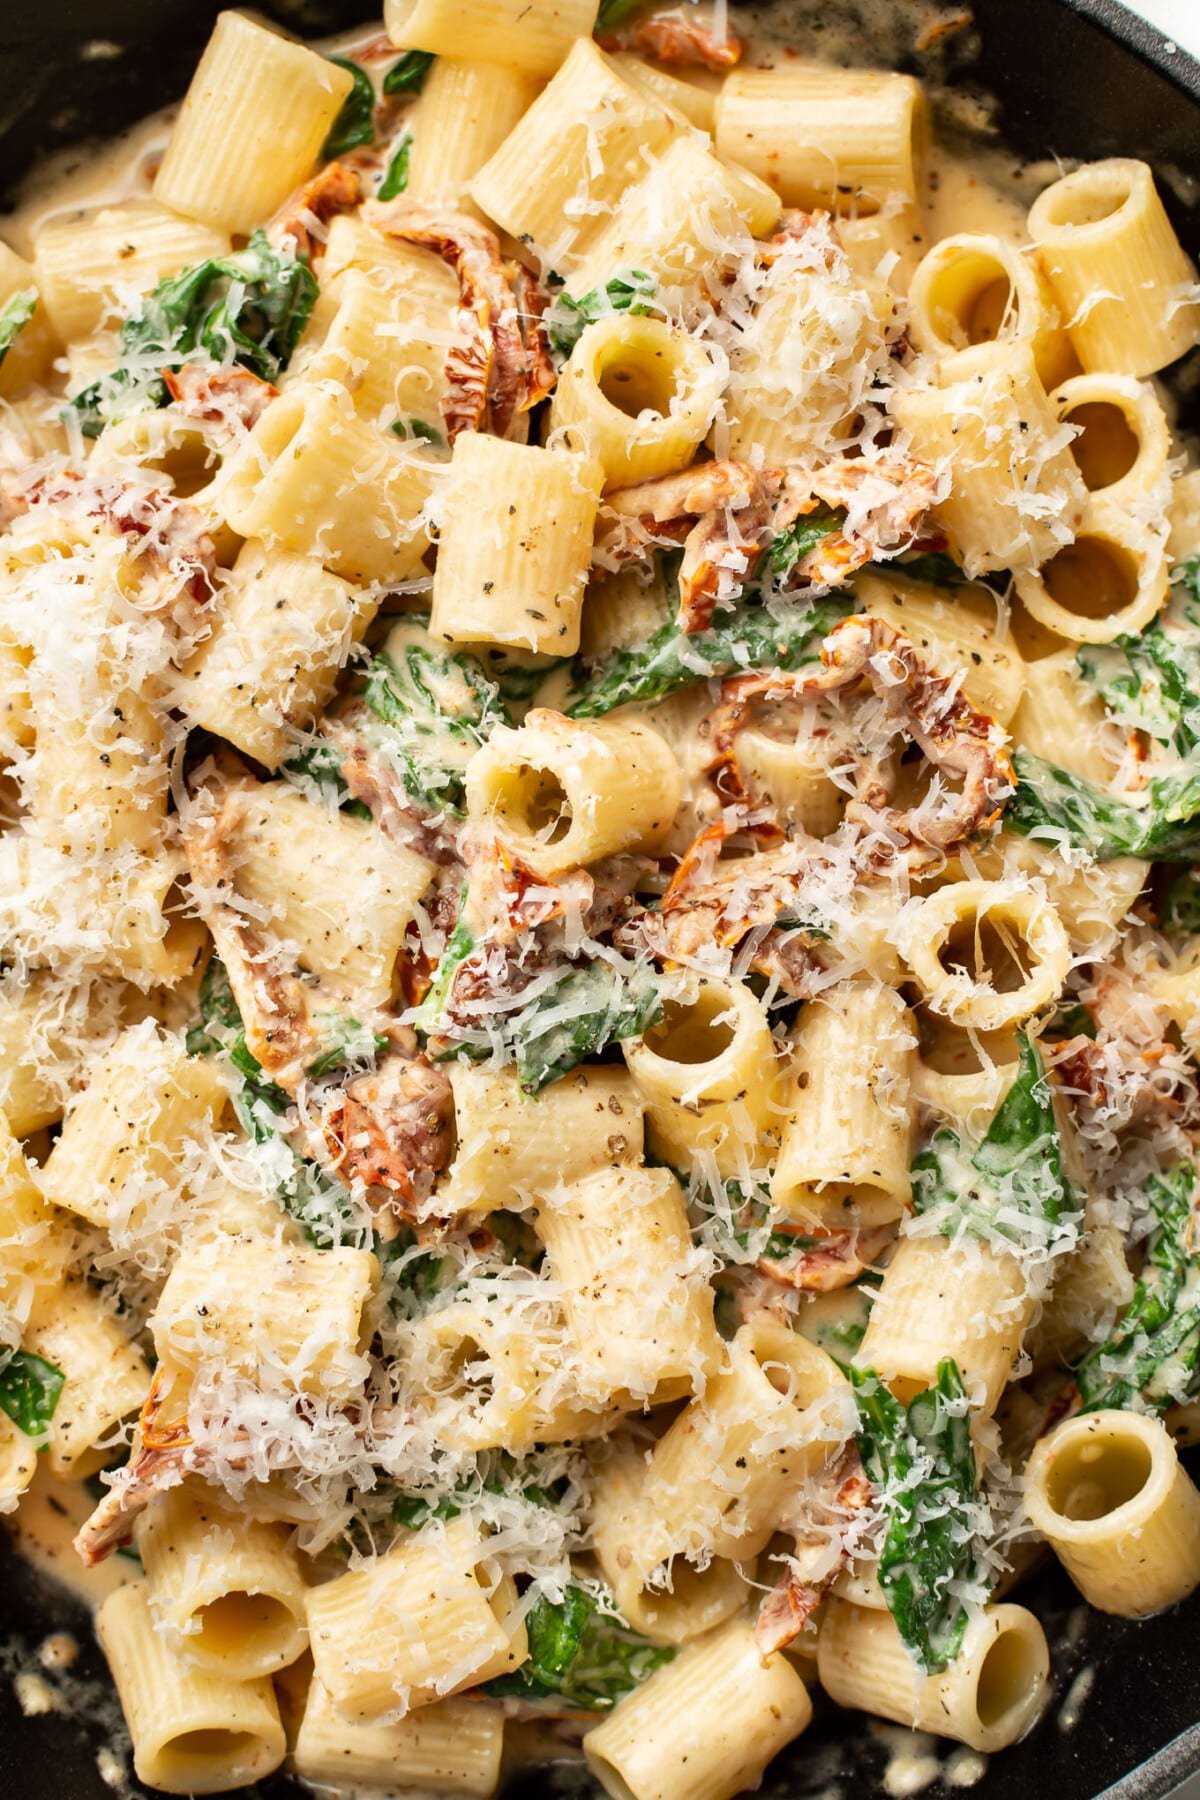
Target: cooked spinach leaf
(355, 123)
(248, 308)
(408, 75)
(802, 536)
(567, 318)
(1181, 903)
(395, 177)
(612, 12)
(1150, 683)
(579, 1655)
(418, 428)
(1013, 1187)
(1052, 803)
(320, 1205)
(747, 637)
(1153, 1352)
(921, 1460)
(322, 763)
(434, 708)
(29, 1391)
(586, 1007)
(15, 315)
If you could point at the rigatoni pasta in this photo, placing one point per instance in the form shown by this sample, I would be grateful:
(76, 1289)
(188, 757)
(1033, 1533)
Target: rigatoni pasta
(513, 545)
(1125, 287)
(192, 1732)
(851, 139)
(251, 127)
(433, 1599)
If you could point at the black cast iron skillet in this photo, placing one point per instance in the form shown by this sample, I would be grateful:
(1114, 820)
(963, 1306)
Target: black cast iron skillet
(1073, 77)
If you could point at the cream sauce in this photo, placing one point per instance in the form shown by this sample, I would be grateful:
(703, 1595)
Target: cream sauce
(964, 1768)
(85, 176)
(912, 1763)
(1076, 1698)
(50, 1514)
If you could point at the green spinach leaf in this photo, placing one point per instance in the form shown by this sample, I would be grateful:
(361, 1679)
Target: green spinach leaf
(355, 123)
(15, 315)
(1012, 1188)
(1150, 683)
(587, 1008)
(801, 537)
(322, 763)
(30, 1388)
(408, 75)
(566, 319)
(248, 308)
(1050, 803)
(921, 1460)
(579, 1655)
(747, 637)
(319, 1204)
(1181, 903)
(434, 708)
(1153, 1353)
(395, 178)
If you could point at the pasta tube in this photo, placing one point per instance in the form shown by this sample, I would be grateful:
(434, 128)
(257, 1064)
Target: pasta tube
(1107, 1492)
(251, 125)
(720, 1692)
(423, 1622)
(193, 1732)
(1125, 287)
(988, 1697)
(559, 794)
(514, 545)
(640, 394)
(706, 1073)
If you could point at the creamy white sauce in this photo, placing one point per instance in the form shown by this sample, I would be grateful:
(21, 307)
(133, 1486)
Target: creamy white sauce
(963, 1768)
(912, 1764)
(50, 1514)
(86, 176)
(1076, 1698)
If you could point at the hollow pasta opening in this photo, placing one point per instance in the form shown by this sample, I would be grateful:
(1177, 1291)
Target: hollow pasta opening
(535, 802)
(1099, 196)
(245, 1625)
(472, 1373)
(1107, 446)
(693, 1032)
(949, 1050)
(993, 305)
(990, 953)
(610, 1777)
(1092, 578)
(1034, 640)
(1007, 1676)
(690, 1592)
(845, 1205)
(189, 460)
(191, 1747)
(972, 299)
(635, 385)
(1093, 1476)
